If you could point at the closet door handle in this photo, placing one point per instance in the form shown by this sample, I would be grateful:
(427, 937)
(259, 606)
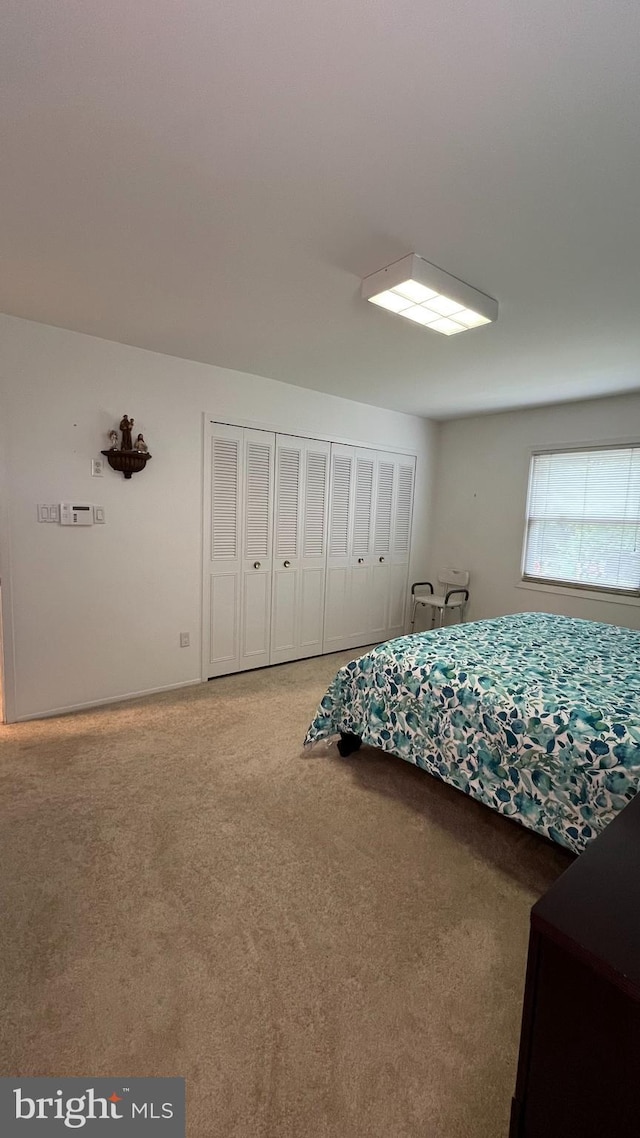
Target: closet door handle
(381, 559)
(256, 564)
(286, 564)
(361, 561)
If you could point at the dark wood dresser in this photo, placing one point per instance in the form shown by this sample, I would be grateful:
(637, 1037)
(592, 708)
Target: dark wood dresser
(579, 1062)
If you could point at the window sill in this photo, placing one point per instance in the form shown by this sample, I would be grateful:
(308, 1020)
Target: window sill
(581, 594)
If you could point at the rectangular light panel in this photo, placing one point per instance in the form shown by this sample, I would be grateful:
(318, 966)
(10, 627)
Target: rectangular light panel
(426, 295)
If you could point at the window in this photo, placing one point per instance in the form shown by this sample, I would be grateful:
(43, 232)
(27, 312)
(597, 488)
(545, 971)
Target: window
(583, 519)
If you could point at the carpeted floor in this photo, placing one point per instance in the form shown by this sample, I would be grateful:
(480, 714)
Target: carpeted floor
(322, 947)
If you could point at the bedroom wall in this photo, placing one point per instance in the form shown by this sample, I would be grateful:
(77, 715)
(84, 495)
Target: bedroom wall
(95, 614)
(481, 489)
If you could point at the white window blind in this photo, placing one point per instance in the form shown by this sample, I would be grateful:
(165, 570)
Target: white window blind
(583, 519)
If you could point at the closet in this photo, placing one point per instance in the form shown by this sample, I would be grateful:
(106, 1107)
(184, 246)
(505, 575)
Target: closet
(371, 500)
(306, 547)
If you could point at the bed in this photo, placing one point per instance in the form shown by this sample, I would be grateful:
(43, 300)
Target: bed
(536, 715)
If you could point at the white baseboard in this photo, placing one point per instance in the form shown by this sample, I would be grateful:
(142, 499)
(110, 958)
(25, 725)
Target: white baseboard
(101, 702)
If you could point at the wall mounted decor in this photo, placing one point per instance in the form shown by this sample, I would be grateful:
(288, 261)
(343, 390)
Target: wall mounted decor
(129, 457)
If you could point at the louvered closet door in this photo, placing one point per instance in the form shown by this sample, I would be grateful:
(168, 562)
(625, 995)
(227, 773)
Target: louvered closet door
(314, 547)
(306, 547)
(299, 562)
(360, 582)
(222, 549)
(348, 596)
(337, 615)
(381, 568)
(402, 516)
(257, 533)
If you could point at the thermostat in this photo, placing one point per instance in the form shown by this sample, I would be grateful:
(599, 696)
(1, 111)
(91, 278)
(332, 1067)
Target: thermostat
(71, 515)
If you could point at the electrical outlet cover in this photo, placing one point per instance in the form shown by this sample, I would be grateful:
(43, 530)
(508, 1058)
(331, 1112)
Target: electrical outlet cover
(97, 467)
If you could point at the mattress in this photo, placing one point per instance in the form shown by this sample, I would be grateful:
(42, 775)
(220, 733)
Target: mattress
(536, 715)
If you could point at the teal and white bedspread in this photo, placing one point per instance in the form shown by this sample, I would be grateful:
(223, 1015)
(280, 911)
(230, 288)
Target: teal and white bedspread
(535, 715)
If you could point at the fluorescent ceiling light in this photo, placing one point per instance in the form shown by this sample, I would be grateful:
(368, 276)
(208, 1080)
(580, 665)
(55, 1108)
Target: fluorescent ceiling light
(444, 306)
(391, 300)
(414, 291)
(471, 319)
(420, 291)
(420, 314)
(446, 326)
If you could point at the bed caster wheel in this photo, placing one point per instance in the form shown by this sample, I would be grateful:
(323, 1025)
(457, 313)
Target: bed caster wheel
(348, 743)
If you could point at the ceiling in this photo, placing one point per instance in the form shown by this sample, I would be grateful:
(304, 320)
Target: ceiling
(212, 178)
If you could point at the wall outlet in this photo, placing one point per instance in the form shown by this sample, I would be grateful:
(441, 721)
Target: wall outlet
(184, 639)
(97, 467)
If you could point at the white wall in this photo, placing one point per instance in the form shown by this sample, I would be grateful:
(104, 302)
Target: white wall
(95, 614)
(481, 489)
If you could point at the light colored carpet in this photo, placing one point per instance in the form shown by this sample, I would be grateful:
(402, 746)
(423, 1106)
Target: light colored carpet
(322, 947)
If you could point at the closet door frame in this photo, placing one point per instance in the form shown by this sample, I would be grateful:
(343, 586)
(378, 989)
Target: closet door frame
(277, 429)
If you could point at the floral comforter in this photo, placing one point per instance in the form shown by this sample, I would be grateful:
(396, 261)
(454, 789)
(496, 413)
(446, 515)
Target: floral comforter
(535, 715)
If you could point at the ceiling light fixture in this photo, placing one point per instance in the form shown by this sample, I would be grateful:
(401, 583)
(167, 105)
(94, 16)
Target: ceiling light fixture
(419, 291)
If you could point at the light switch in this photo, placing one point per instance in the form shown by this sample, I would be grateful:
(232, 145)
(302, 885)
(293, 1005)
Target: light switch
(54, 513)
(43, 513)
(98, 515)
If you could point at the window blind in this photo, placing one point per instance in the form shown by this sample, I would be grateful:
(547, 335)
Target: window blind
(583, 519)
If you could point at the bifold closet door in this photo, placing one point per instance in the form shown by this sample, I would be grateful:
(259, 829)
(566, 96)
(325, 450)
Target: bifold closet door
(402, 515)
(360, 622)
(299, 554)
(306, 547)
(257, 539)
(382, 540)
(338, 587)
(370, 513)
(392, 544)
(348, 594)
(237, 541)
